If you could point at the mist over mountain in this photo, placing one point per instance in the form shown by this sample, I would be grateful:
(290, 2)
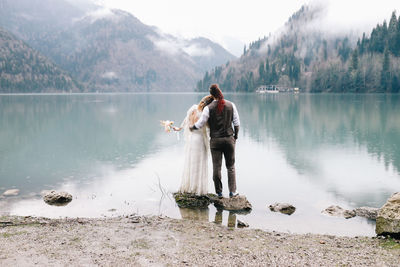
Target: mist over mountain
(24, 70)
(110, 50)
(305, 54)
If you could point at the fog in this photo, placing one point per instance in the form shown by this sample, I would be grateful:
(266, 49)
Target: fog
(235, 23)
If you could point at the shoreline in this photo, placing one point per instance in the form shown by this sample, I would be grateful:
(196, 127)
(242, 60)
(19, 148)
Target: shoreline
(154, 241)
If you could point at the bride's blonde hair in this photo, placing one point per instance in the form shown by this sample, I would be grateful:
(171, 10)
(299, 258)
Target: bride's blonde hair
(202, 104)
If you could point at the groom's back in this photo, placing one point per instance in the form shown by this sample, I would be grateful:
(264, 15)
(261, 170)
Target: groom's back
(220, 123)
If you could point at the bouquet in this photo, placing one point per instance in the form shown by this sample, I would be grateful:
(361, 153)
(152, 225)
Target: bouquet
(167, 125)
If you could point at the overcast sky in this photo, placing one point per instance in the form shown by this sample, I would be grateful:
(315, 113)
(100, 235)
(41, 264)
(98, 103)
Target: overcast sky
(234, 23)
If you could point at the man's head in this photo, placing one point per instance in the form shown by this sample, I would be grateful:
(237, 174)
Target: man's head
(217, 94)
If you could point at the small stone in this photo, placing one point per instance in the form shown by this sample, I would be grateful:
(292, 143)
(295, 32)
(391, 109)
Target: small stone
(367, 212)
(339, 212)
(11, 192)
(57, 198)
(322, 242)
(242, 224)
(284, 208)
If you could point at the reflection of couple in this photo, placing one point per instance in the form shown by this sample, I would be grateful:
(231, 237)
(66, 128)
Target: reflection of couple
(222, 119)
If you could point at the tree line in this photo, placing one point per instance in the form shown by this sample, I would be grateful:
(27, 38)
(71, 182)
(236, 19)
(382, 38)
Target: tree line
(316, 64)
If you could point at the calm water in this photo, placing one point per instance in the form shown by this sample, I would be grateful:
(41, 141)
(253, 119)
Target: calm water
(111, 154)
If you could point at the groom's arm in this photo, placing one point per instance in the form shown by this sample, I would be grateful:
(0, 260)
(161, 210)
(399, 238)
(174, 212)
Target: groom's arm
(203, 119)
(236, 121)
(236, 132)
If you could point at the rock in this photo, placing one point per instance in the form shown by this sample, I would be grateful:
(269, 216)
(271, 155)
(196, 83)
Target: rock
(367, 212)
(11, 192)
(186, 200)
(284, 208)
(57, 198)
(45, 192)
(339, 212)
(388, 219)
(241, 224)
(238, 204)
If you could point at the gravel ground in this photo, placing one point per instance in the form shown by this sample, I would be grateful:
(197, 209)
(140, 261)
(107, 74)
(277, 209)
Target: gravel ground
(161, 241)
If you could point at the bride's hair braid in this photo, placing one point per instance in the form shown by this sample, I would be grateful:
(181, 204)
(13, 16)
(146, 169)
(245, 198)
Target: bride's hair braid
(217, 93)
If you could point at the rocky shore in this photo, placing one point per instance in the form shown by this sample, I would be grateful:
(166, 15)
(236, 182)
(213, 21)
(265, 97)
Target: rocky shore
(161, 241)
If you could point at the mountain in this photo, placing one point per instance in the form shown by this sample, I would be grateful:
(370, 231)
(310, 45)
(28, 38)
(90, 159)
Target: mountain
(30, 20)
(23, 70)
(110, 50)
(303, 54)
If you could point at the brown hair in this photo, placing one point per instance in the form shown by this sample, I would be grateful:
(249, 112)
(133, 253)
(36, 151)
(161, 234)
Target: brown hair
(202, 104)
(217, 93)
(205, 101)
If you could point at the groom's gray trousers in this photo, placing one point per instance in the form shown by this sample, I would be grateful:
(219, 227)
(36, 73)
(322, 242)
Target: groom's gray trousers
(223, 146)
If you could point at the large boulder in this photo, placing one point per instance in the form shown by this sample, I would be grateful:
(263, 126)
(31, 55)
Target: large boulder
(11, 192)
(237, 203)
(339, 212)
(367, 212)
(284, 208)
(388, 220)
(57, 198)
(187, 200)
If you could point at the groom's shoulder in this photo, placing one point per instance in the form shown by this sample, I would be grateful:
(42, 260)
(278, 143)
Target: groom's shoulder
(229, 102)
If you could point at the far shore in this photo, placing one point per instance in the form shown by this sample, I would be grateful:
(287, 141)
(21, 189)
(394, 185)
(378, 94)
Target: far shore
(161, 241)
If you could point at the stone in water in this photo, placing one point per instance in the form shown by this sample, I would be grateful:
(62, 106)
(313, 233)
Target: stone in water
(238, 203)
(339, 212)
(284, 208)
(11, 192)
(57, 198)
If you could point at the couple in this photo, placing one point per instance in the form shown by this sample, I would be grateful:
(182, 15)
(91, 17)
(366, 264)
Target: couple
(218, 118)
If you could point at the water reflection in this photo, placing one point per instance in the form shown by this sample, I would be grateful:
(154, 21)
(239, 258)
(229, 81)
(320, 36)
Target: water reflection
(231, 218)
(194, 214)
(108, 151)
(326, 139)
(49, 139)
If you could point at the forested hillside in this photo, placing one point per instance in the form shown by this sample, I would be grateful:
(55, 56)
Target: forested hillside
(23, 70)
(110, 50)
(304, 56)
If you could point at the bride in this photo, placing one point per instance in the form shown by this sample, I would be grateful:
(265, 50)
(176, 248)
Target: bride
(195, 168)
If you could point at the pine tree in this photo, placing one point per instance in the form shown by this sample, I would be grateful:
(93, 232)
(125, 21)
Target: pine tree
(325, 49)
(261, 72)
(354, 60)
(392, 33)
(385, 74)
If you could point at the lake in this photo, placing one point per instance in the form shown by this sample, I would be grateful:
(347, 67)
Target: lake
(110, 152)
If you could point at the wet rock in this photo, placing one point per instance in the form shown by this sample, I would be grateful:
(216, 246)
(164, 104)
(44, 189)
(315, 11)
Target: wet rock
(186, 200)
(241, 224)
(284, 208)
(388, 219)
(57, 198)
(45, 192)
(11, 192)
(339, 212)
(367, 212)
(238, 203)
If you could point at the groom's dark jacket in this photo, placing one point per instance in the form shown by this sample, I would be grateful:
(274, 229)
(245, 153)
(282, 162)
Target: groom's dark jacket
(220, 124)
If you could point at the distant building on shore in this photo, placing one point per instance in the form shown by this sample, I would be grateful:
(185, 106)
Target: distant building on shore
(276, 89)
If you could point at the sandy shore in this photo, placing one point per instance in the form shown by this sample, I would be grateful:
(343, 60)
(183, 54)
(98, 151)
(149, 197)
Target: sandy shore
(161, 241)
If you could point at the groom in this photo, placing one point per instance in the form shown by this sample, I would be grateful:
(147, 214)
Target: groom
(220, 115)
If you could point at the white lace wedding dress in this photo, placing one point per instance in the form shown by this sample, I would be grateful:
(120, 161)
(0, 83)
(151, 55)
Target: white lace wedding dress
(195, 168)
